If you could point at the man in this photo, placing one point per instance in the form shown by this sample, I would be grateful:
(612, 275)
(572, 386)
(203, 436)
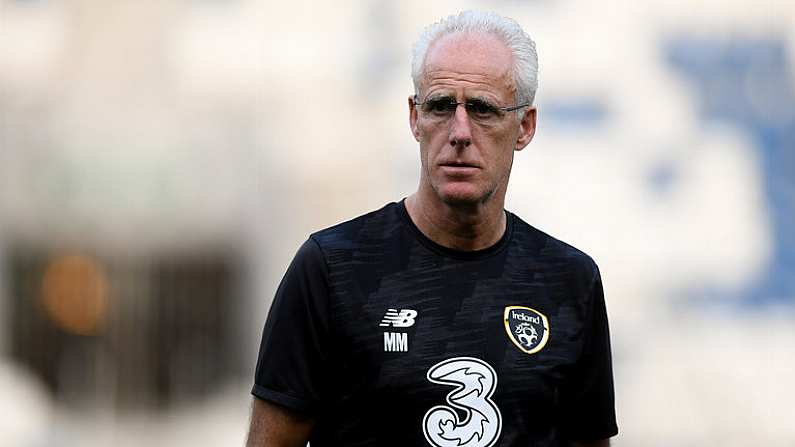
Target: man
(443, 320)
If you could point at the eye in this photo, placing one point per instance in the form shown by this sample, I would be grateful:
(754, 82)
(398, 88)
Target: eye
(440, 106)
(480, 109)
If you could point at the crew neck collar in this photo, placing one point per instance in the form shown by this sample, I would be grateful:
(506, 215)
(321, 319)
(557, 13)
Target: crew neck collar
(451, 252)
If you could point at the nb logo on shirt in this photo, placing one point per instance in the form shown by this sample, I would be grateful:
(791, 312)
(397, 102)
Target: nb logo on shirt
(404, 318)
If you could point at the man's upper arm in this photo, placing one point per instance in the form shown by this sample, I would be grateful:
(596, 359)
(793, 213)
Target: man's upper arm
(276, 426)
(587, 399)
(294, 352)
(289, 382)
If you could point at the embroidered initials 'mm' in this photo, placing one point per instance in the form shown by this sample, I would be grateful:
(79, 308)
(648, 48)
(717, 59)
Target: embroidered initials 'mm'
(396, 342)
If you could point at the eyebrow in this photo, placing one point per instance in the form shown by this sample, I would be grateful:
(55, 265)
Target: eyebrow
(440, 96)
(482, 100)
(452, 98)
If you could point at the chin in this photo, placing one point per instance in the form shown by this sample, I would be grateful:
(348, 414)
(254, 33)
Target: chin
(462, 196)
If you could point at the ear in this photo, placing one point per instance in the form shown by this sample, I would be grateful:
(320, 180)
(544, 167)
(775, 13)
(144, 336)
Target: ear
(413, 118)
(527, 128)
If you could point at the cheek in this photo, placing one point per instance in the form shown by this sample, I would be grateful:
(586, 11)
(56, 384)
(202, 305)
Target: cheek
(505, 137)
(425, 154)
(432, 139)
(500, 147)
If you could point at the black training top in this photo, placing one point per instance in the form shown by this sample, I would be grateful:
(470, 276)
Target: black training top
(389, 339)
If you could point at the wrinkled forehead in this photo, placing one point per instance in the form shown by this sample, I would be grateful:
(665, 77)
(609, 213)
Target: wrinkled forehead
(469, 57)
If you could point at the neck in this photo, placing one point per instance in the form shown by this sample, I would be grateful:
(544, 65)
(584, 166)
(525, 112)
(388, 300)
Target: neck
(461, 227)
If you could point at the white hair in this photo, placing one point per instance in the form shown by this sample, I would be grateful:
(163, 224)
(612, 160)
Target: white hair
(522, 47)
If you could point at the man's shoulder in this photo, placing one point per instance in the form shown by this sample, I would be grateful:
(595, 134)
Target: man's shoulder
(374, 225)
(551, 249)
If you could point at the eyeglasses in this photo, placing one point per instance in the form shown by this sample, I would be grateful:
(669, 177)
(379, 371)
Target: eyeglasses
(442, 108)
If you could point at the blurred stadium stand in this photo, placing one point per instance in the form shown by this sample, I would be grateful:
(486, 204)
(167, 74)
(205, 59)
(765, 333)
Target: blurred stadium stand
(150, 333)
(748, 84)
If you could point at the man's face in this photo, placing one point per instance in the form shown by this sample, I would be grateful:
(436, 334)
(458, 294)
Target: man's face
(466, 156)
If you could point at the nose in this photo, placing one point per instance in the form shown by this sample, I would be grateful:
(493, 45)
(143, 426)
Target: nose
(460, 128)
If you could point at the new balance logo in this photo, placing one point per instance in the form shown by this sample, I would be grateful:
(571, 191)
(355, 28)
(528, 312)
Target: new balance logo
(396, 342)
(404, 318)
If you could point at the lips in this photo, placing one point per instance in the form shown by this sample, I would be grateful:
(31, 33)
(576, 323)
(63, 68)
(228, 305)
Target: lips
(459, 164)
(458, 169)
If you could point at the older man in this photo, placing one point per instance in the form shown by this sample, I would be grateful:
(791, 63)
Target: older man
(443, 320)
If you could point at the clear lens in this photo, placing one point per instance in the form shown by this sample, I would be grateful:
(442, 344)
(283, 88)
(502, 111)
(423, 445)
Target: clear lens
(482, 110)
(440, 106)
(479, 110)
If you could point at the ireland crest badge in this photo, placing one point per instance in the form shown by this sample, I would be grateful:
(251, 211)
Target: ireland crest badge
(527, 328)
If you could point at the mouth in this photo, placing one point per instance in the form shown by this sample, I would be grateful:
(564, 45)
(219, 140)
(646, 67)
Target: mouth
(459, 164)
(458, 169)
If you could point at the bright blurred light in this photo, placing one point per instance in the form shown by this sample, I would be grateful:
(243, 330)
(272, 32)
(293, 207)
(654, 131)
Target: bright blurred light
(74, 294)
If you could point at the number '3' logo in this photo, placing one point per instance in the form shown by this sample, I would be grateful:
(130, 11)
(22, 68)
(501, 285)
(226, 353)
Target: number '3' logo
(474, 381)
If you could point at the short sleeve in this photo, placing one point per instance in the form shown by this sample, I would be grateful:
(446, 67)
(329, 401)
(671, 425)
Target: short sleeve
(588, 399)
(293, 350)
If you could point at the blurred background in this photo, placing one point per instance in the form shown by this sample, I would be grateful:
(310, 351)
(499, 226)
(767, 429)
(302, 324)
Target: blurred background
(160, 163)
